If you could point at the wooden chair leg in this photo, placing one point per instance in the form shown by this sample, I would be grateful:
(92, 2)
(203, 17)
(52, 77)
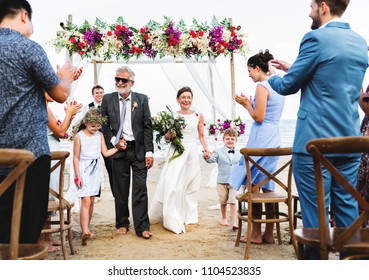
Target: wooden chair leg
(63, 244)
(238, 232)
(70, 240)
(278, 226)
(300, 251)
(249, 231)
(239, 225)
(291, 217)
(295, 201)
(70, 234)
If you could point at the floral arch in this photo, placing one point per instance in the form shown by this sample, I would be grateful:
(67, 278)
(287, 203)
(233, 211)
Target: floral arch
(154, 43)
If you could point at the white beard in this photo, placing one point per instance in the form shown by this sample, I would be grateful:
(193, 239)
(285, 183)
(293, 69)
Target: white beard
(123, 90)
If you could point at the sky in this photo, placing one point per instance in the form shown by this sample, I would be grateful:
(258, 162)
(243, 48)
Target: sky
(275, 25)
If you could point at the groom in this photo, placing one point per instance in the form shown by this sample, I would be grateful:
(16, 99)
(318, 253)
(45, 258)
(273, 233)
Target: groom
(129, 129)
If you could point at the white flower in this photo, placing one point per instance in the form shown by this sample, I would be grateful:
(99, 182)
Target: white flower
(134, 106)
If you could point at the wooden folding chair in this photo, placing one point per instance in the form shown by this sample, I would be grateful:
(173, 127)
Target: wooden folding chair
(282, 194)
(350, 240)
(297, 212)
(18, 161)
(62, 222)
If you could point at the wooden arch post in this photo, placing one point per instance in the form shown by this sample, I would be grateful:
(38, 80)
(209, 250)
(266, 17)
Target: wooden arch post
(233, 85)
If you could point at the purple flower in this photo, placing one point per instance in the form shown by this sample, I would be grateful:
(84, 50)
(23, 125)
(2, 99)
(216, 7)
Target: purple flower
(216, 37)
(92, 38)
(173, 35)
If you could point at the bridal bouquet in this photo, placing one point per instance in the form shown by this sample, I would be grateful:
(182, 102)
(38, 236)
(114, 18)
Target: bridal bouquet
(164, 121)
(219, 127)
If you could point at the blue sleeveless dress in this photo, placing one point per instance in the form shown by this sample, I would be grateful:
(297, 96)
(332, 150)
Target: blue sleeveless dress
(262, 135)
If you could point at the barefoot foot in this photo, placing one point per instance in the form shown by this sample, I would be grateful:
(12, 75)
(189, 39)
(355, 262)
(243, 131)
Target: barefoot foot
(224, 222)
(146, 234)
(268, 239)
(85, 237)
(243, 239)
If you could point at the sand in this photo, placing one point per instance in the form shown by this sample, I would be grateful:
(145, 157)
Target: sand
(207, 240)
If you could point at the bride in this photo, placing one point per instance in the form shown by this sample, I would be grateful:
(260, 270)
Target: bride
(174, 202)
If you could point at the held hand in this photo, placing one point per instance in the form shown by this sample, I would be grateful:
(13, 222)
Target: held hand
(207, 155)
(167, 136)
(170, 134)
(121, 145)
(173, 133)
(149, 162)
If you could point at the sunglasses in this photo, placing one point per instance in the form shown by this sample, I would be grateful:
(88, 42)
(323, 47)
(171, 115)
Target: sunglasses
(123, 80)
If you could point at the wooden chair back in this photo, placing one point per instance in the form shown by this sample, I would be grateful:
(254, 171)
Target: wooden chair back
(282, 194)
(62, 222)
(18, 161)
(268, 152)
(320, 149)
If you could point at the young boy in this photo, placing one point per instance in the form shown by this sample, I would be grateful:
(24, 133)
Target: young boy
(226, 157)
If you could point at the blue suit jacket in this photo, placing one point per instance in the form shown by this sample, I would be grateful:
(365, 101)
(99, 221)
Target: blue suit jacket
(220, 156)
(329, 70)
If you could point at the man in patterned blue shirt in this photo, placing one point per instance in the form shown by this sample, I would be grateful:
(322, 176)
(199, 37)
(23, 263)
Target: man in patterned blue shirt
(26, 74)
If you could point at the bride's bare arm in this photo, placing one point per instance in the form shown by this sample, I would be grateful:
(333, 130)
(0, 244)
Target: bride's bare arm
(202, 138)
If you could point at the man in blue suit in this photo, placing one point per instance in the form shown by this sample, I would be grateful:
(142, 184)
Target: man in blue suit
(329, 71)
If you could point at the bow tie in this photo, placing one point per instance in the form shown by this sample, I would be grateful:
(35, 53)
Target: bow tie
(231, 151)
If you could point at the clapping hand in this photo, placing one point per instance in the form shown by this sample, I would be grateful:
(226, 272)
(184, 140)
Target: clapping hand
(243, 100)
(72, 108)
(68, 72)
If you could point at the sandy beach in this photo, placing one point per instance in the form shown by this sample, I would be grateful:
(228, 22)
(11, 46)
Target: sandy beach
(207, 240)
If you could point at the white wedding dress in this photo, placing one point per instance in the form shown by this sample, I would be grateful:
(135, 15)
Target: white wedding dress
(174, 202)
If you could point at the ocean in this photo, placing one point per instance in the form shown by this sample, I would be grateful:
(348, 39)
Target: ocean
(287, 128)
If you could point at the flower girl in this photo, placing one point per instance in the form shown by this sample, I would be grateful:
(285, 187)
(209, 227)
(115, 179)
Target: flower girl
(89, 143)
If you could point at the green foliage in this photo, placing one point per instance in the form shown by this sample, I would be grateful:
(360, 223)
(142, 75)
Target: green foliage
(165, 121)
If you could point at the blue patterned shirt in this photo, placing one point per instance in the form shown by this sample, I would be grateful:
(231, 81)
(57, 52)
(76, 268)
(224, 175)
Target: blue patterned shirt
(26, 74)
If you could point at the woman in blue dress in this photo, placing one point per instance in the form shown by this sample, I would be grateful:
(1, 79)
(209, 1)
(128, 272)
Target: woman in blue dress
(266, 110)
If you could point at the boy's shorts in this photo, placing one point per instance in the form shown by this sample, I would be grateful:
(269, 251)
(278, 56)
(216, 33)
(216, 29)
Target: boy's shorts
(226, 193)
